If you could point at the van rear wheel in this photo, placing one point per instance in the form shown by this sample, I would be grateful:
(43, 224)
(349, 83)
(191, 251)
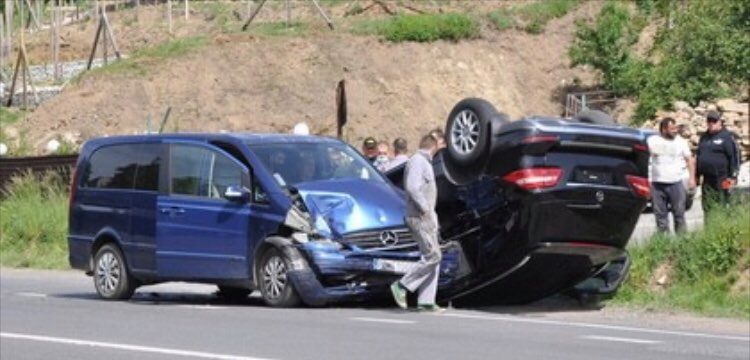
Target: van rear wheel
(276, 287)
(111, 277)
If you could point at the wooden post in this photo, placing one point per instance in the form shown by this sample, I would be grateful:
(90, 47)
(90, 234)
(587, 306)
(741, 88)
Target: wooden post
(288, 13)
(169, 14)
(9, 30)
(57, 18)
(13, 82)
(96, 42)
(253, 15)
(137, 9)
(323, 14)
(20, 54)
(108, 28)
(104, 39)
(96, 10)
(187, 11)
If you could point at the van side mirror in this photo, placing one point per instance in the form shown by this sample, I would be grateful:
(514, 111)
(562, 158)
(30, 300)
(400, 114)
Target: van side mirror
(237, 193)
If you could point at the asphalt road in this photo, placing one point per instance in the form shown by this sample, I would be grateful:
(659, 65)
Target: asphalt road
(56, 315)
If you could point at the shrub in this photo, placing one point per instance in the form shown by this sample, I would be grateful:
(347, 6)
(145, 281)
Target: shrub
(701, 52)
(427, 28)
(34, 222)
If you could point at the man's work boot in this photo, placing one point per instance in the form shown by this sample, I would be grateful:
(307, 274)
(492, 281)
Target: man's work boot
(399, 294)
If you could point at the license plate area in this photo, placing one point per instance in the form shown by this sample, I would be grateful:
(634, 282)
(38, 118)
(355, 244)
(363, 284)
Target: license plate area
(393, 266)
(593, 176)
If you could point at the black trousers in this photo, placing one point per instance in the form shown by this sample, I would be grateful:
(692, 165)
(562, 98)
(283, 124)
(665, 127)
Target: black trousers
(713, 194)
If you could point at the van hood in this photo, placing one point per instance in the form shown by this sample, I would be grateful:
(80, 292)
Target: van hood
(339, 207)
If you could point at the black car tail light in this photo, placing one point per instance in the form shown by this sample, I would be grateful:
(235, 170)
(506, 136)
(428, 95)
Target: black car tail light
(539, 139)
(640, 185)
(535, 178)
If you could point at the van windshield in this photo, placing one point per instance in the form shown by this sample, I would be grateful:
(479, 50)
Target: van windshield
(294, 163)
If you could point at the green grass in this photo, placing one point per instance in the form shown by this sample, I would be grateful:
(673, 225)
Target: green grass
(34, 222)
(141, 61)
(425, 28)
(704, 266)
(531, 17)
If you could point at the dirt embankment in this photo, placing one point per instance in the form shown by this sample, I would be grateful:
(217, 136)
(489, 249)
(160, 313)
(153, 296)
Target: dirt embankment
(240, 82)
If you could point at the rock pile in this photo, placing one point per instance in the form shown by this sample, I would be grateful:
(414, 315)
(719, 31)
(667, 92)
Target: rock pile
(736, 116)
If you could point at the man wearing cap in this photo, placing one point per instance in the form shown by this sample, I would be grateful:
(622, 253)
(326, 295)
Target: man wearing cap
(370, 149)
(718, 161)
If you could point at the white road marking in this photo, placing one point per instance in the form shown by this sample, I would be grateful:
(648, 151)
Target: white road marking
(382, 320)
(596, 326)
(126, 347)
(202, 307)
(621, 339)
(31, 294)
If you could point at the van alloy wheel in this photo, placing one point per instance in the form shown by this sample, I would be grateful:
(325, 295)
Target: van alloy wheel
(111, 277)
(108, 271)
(274, 277)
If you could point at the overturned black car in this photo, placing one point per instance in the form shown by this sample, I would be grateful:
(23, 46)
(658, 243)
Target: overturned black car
(533, 207)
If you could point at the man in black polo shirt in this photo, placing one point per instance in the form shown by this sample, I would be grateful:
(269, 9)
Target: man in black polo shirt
(718, 161)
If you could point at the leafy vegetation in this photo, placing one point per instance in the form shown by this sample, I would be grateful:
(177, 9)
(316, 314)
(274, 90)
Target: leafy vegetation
(280, 29)
(421, 28)
(701, 51)
(34, 224)
(703, 267)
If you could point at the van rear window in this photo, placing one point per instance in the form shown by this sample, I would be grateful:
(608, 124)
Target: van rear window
(127, 166)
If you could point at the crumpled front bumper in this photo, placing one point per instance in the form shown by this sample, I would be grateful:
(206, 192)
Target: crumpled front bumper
(312, 263)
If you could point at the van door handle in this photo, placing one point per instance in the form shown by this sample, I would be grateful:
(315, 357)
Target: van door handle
(172, 210)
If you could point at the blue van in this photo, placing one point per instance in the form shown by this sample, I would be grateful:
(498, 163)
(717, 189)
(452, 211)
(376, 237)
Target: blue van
(302, 219)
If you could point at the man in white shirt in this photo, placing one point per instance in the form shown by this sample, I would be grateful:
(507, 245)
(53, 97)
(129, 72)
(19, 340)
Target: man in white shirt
(670, 155)
(400, 149)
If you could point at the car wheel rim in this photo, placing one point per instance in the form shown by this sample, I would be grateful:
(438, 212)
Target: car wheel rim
(108, 273)
(274, 277)
(465, 132)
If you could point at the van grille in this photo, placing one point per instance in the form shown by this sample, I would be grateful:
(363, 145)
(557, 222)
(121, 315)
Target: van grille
(382, 240)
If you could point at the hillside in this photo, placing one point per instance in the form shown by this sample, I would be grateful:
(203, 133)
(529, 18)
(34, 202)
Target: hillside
(229, 80)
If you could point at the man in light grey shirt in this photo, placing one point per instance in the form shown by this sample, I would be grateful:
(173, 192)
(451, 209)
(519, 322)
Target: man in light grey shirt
(421, 218)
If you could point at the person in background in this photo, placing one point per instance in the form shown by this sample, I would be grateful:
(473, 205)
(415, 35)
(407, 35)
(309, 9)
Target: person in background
(670, 154)
(421, 218)
(400, 150)
(370, 149)
(439, 136)
(384, 155)
(718, 162)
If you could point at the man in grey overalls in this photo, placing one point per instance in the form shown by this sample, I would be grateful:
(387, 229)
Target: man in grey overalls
(419, 182)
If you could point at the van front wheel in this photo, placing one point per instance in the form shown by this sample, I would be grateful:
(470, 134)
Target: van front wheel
(111, 277)
(276, 287)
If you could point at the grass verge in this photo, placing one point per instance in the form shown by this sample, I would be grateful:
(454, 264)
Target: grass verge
(706, 271)
(34, 222)
(142, 60)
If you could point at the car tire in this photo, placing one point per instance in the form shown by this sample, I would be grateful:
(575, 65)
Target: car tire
(112, 279)
(597, 117)
(467, 139)
(233, 293)
(276, 287)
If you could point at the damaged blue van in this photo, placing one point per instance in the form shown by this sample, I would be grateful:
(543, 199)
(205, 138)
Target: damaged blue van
(302, 219)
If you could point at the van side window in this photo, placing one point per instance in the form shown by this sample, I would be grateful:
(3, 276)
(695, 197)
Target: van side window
(201, 172)
(124, 167)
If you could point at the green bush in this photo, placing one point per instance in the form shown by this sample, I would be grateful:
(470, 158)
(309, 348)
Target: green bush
(34, 222)
(704, 264)
(701, 52)
(537, 14)
(427, 28)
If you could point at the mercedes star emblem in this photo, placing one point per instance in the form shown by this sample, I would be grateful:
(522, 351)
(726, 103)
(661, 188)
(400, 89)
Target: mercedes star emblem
(388, 238)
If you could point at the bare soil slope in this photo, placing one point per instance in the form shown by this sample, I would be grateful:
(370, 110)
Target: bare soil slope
(241, 82)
